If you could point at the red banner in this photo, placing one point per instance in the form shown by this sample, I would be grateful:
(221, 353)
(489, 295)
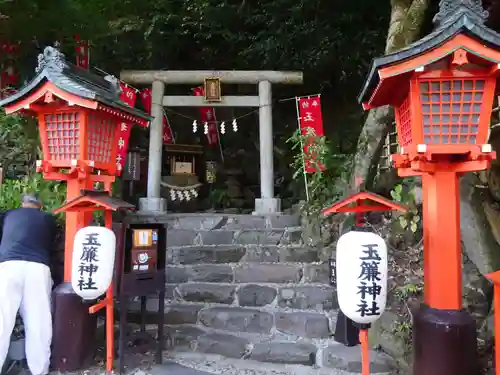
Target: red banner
(146, 102)
(207, 115)
(8, 75)
(82, 53)
(127, 96)
(311, 122)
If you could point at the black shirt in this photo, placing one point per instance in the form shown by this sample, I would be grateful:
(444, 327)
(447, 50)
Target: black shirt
(27, 234)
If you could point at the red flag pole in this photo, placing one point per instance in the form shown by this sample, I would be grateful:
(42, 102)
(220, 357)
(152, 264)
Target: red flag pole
(302, 148)
(218, 137)
(169, 127)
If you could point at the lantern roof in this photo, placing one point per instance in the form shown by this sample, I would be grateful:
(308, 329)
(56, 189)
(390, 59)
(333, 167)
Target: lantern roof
(455, 17)
(364, 201)
(92, 200)
(53, 68)
(494, 277)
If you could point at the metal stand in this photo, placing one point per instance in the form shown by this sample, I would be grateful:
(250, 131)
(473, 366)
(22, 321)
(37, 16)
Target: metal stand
(140, 284)
(141, 339)
(346, 331)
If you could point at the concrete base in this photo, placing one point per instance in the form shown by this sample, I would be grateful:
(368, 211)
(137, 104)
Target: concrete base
(152, 205)
(265, 206)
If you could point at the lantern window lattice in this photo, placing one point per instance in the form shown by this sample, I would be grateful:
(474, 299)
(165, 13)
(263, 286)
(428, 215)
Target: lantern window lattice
(404, 123)
(443, 111)
(101, 134)
(451, 110)
(63, 131)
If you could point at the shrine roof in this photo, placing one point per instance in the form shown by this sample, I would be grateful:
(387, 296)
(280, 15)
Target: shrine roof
(53, 67)
(97, 200)
(455, 17)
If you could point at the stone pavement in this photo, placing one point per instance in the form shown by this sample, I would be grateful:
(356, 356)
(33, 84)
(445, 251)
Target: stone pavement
(173, 368)
(211, 364)
(204, 364)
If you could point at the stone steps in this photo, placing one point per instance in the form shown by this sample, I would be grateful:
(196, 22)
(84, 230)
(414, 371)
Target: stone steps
(195, 237)
(296, 296)
(274, 335)
(260, 272)
(249, 287)
(212, 221)
(236, 253)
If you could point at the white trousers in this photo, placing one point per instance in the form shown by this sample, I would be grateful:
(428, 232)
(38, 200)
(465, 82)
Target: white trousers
(26, 287)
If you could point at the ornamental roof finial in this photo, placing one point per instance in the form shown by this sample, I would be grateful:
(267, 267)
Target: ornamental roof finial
(449, 9)
(51, 58)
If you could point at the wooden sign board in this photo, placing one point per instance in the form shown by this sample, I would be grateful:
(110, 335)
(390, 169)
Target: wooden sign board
(211, 172)
(332, 265)
(132, 170)
(183, 167)
(212, 90)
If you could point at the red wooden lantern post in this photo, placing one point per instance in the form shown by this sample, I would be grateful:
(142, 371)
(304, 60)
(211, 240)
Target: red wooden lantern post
(78, 115)
(442, 88)
(346, 332)
(92, 201)
(495, 277)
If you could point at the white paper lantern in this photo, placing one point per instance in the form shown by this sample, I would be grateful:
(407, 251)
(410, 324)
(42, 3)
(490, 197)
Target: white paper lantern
(93, 261)
(362, 276)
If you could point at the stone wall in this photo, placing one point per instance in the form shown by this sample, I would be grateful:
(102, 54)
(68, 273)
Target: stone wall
(248, 287)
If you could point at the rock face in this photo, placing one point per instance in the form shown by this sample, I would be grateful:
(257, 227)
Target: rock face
(249, 287)
(478, 226)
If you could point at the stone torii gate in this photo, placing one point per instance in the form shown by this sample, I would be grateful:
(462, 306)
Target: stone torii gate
(267, 203)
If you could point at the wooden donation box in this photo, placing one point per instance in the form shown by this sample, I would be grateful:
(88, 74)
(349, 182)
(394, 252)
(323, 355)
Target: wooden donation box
(141, 273)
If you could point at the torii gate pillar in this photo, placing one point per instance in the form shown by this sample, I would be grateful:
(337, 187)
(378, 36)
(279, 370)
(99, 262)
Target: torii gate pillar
(267, 203)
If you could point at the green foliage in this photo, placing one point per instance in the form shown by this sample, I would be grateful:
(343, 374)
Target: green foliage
(52, 194)
(218, 198)
(403, 329)
(209, 34)
(326, 186)
(19, 144)
(408, 290)
(406, 196)
(18, 153)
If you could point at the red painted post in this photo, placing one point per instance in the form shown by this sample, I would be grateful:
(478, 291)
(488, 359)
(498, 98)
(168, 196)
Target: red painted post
(495, 277)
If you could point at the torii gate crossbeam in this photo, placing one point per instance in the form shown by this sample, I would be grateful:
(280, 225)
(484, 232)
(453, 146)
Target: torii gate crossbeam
(267, 203)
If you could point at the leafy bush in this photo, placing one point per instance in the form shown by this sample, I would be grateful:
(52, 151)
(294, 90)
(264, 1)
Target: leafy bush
(52, 193)
(327, 184)
(19, 144)
(18, 152)
(404, 193)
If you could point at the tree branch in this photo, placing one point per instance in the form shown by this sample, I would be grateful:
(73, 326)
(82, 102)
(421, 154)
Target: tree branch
(407, 17)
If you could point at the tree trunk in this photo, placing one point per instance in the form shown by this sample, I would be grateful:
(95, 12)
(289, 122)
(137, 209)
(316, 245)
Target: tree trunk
(406, 20)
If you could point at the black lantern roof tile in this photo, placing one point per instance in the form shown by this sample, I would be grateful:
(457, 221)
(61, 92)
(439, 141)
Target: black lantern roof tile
(98, 198)
(454, 17)
(53, 67)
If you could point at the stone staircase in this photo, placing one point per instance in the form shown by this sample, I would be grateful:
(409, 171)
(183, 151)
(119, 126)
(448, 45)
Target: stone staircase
(248, 287)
